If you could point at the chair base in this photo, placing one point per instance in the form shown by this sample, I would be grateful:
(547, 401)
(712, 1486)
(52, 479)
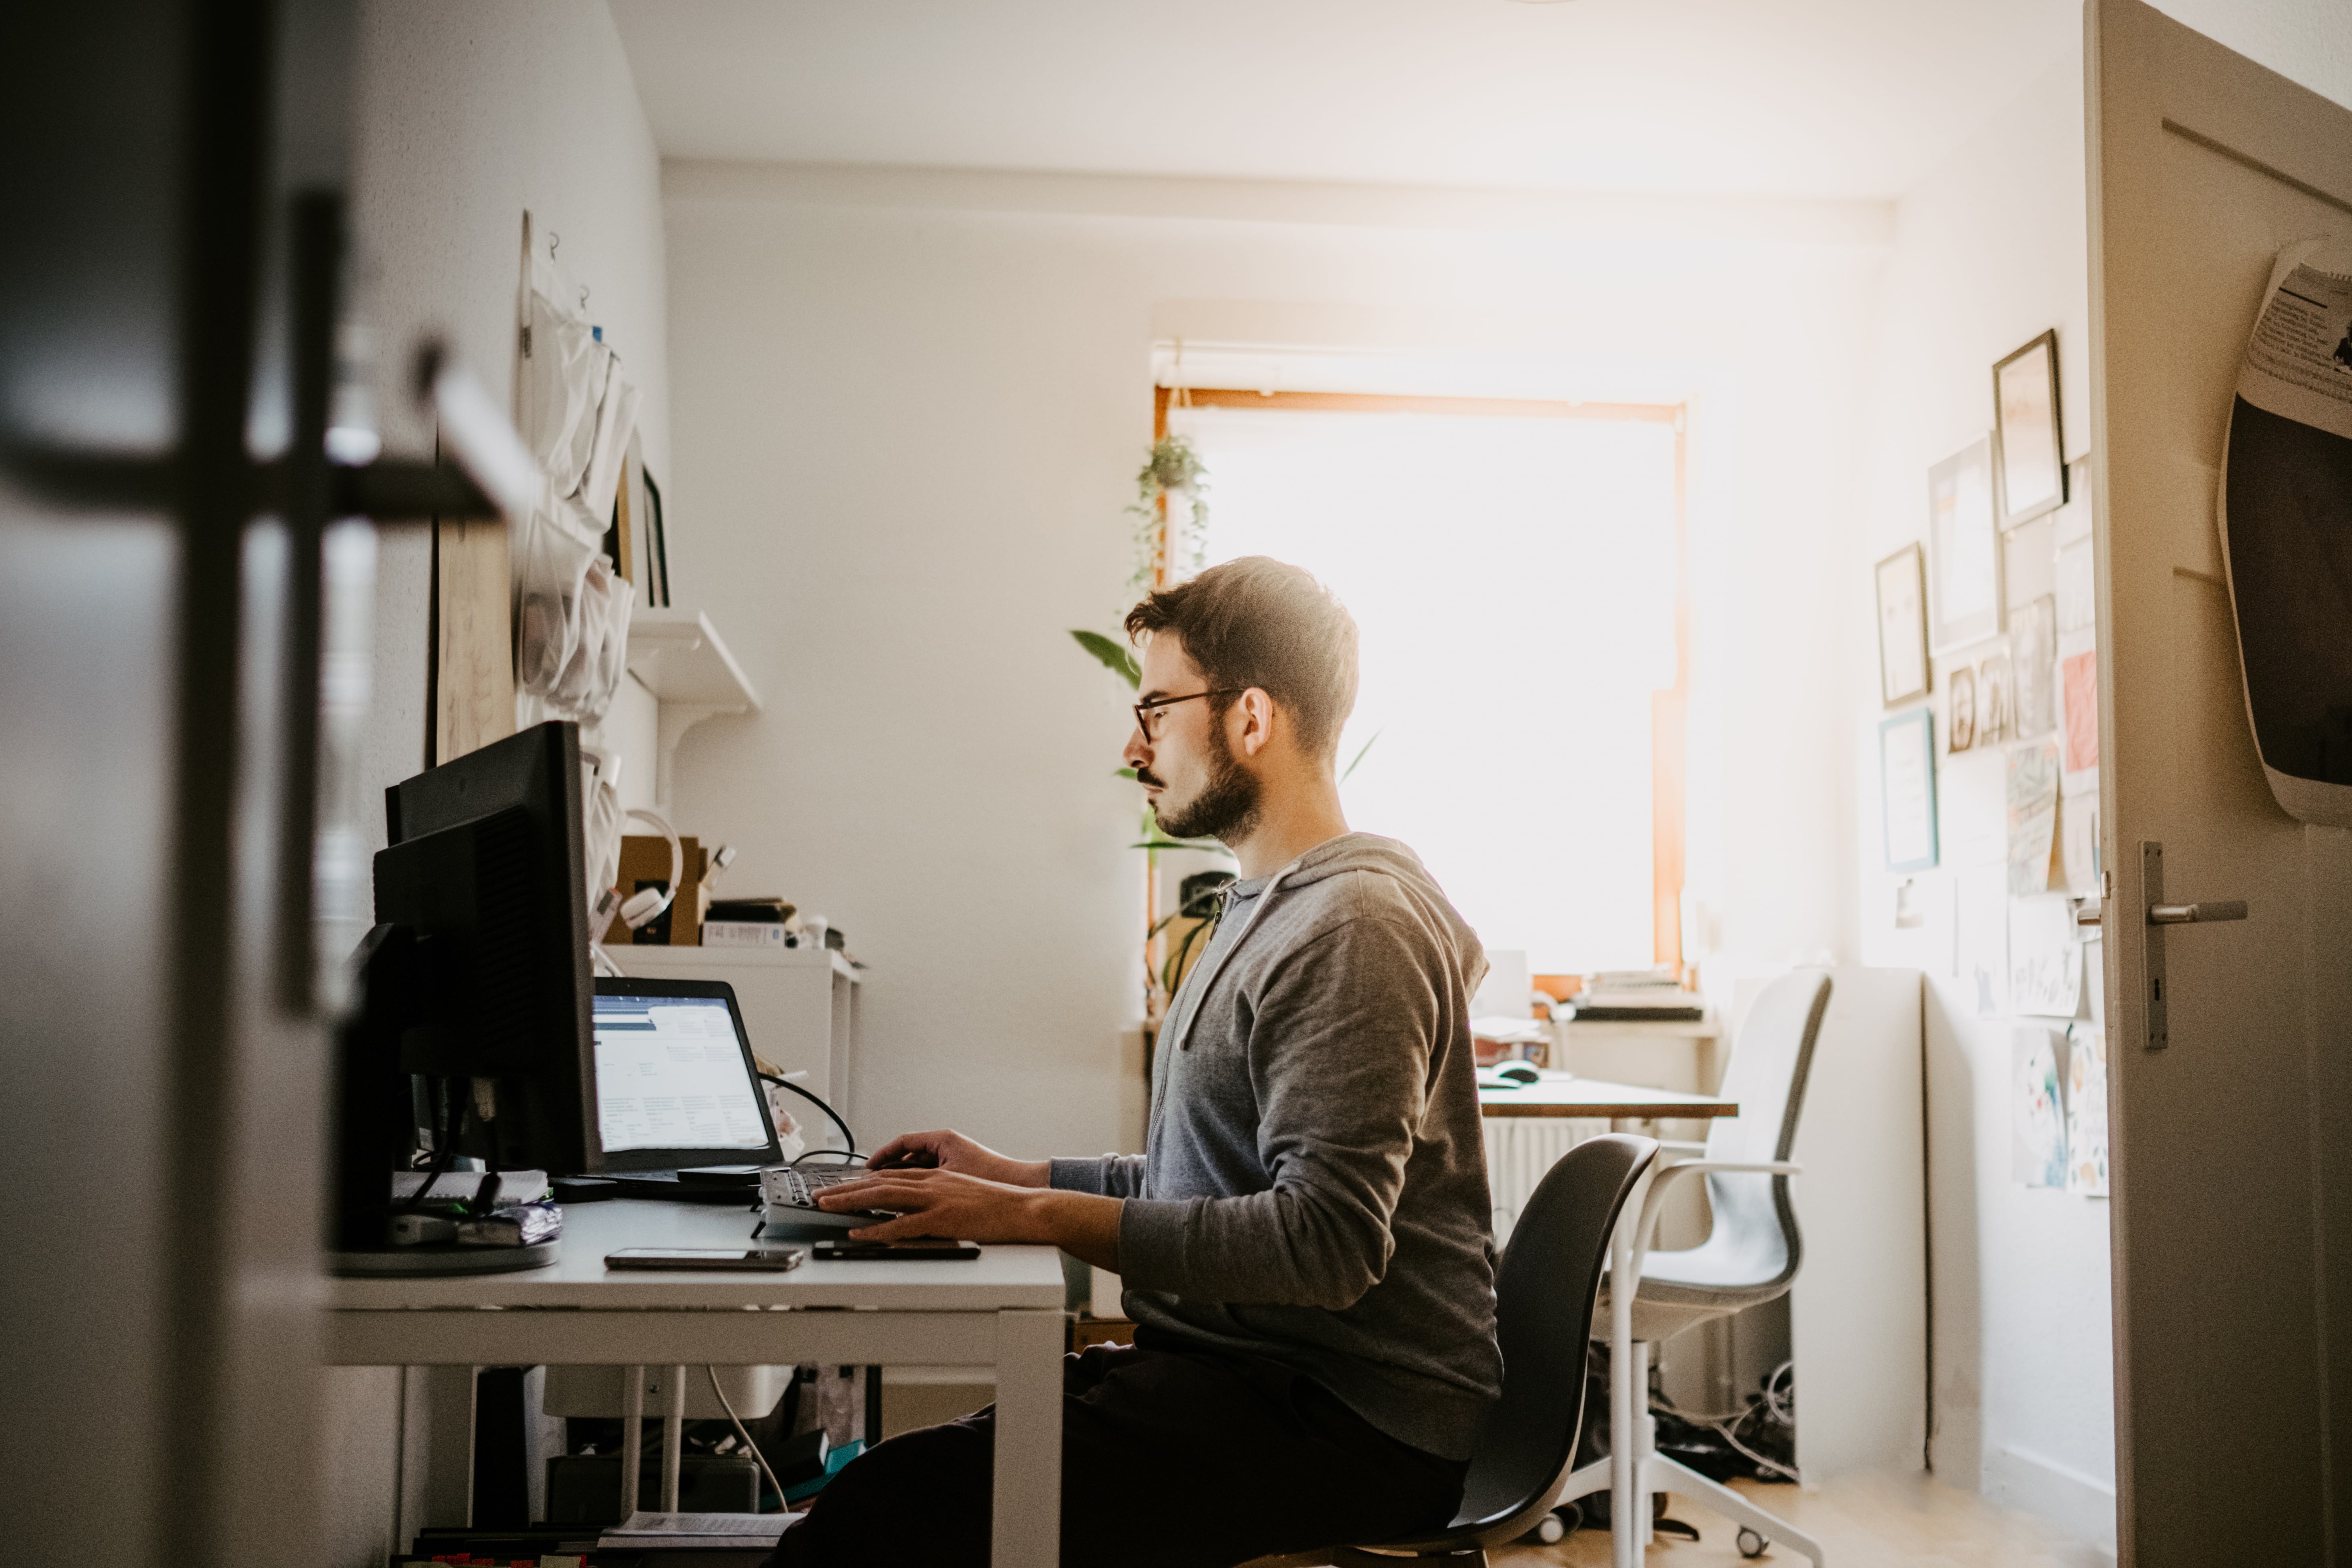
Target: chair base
(1657, 1473)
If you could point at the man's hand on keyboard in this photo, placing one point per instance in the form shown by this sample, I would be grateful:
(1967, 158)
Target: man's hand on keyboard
(950, 1203)
(949, 1151)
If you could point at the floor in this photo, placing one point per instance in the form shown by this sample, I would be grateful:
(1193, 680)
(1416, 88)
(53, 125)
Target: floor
(1864, 1522)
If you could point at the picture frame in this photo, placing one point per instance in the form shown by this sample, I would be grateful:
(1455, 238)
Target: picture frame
(1960, 702)
(1964, 583)
(1906, 779)
(1903, 667)
(1996, 700)
(2029, 437)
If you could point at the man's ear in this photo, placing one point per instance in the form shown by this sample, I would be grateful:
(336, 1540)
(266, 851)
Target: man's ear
(1257, 709)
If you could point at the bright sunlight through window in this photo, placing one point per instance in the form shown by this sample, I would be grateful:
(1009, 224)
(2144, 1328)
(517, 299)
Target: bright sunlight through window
(1514, 581)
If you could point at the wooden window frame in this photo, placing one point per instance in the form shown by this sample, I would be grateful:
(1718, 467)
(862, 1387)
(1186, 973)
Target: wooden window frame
(1669, 709)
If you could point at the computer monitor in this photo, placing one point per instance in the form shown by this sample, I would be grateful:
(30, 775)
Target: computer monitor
(675, 1086)
(477, 978)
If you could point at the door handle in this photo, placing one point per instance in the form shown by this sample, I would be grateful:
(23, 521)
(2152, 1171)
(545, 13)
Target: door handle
(2155, 1012)
(2191, 914)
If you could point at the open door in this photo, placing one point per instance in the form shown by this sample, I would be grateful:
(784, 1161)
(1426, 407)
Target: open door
(2230, 1043)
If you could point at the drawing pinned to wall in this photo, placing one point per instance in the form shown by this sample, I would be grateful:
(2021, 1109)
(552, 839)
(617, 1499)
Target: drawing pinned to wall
(2086, 1111)
(1960, 708)
(1982, 939)
(1906, 778)
(2037, 1117)
(1995, 701)
(2045, 961)
(2077, 586)
(2033, 647)
(2078, 841)
(2078, 711)
(2033, 797)
(1902, 626)
(1964, 590)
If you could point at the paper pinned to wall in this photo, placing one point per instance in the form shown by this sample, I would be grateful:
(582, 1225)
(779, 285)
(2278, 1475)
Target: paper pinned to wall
(2038, 1118)
(1983, 937)
(2086, 1111)
(1973, 814)
(2032, 799)
(2078, 842)
(2078, 711)
(2045, 961)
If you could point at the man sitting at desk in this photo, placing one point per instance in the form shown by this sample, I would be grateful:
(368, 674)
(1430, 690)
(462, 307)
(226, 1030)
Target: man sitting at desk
(1305, 1246)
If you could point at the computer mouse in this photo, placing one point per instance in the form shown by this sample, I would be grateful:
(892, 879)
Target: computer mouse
(1519, 1072)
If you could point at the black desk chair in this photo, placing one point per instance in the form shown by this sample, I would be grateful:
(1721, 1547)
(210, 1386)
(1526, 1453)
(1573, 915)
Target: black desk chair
(1544, 1296)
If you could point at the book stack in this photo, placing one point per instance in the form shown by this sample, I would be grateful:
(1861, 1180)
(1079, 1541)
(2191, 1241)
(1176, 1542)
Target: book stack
(747, 922)
(1635, 997)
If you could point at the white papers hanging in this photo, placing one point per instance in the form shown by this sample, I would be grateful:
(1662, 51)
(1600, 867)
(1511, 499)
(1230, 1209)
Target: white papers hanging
(2045, 961)
(2038, 1118)
(571, 609)
(2032, 799)
(2086, 1111)
(1983, 937)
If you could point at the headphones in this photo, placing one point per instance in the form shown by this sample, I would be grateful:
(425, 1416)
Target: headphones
(642, 908)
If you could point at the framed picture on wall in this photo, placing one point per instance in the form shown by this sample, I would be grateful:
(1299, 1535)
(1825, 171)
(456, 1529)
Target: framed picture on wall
(2027, 436)
(1964, 590)
(1906, 784)
(1903, 626)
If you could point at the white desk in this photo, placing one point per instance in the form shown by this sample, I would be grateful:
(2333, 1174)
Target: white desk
(1003, 1308)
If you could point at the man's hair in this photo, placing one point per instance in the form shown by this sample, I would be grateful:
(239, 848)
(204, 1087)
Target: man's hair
(1259, 622)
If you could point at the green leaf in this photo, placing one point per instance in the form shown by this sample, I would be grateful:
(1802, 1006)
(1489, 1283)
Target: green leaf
(1360, 756)
(1126, 773)
(1114, 655)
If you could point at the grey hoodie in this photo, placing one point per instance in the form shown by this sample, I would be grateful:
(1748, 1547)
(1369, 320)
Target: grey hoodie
(1314, 1188)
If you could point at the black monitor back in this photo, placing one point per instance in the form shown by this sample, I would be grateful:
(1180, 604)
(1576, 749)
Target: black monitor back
(488, 853)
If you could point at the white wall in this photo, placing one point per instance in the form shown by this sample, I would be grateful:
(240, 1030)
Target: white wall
(467, 115)
(910, 407)
(1989, 251)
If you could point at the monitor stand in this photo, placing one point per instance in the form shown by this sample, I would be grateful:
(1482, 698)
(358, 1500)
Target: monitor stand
(423, 1262)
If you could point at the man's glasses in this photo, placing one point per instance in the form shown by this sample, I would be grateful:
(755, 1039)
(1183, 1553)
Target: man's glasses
(1146, 713)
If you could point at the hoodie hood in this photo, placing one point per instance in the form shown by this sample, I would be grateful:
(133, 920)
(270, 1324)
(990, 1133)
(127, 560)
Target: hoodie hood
(1332, 857)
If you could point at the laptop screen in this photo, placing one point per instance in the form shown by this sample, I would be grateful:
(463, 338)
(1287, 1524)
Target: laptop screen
(670, 1074)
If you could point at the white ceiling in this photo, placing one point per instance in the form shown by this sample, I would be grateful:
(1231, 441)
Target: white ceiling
(1761, 98)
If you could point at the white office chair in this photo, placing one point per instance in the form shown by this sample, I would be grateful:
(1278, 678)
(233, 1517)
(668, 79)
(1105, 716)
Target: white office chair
(1749, 1256)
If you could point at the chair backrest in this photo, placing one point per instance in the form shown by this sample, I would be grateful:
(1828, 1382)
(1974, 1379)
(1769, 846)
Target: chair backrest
(1544, 1295)
(1770, 1064)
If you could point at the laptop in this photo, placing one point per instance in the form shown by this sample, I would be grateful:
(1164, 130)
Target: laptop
(679, 1111)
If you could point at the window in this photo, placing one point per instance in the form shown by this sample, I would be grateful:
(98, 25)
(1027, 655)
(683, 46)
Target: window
(1515, 571)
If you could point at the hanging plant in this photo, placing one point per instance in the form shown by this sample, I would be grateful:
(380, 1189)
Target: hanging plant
(1172, 478)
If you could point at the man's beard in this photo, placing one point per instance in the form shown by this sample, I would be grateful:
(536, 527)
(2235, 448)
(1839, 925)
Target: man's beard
(1226, 807)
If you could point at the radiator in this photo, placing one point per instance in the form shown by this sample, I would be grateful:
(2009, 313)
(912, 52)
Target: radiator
(1519, 1149)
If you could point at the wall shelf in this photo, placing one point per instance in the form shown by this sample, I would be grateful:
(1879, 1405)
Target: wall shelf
(680, 657)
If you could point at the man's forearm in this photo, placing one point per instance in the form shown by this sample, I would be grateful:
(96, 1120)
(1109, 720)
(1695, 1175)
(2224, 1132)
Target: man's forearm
(1080, 1224)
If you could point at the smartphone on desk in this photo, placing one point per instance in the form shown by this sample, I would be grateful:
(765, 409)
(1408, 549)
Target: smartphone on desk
(763, 1259)
(878, 1251)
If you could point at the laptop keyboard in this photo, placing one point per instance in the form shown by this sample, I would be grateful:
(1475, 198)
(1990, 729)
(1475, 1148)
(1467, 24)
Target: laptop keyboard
(800, 1187)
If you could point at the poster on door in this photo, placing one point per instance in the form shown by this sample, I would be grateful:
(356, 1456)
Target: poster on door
(2285, 520)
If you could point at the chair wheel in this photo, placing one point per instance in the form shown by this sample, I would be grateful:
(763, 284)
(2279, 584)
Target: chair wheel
(1752, 1544)
(1549, 1529)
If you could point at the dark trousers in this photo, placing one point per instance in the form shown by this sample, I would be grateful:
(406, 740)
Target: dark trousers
(1172, 1456)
